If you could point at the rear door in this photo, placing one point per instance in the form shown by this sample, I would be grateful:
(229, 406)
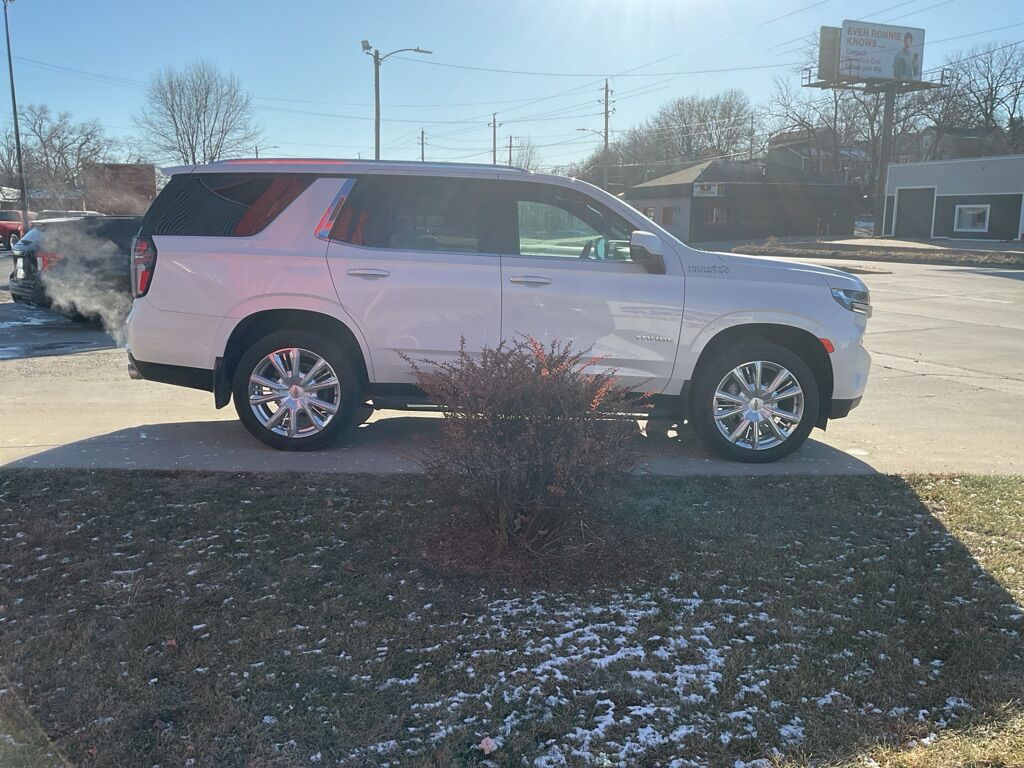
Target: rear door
(415, 263)
(566, 274)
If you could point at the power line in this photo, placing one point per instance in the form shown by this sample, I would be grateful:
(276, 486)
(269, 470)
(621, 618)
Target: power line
(594, 74)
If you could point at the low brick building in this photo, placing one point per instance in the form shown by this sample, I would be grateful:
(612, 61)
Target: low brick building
(735, 200)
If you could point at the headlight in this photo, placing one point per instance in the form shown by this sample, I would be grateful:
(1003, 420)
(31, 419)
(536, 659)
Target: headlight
(855, 301)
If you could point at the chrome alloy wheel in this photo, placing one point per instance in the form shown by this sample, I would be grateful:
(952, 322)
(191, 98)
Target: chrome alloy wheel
(758, 405)
(294, 392)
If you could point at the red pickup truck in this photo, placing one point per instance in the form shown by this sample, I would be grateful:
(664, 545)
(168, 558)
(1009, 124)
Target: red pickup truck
(11, 229)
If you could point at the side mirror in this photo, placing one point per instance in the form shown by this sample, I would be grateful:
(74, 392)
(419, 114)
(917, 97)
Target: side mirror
(646, 249)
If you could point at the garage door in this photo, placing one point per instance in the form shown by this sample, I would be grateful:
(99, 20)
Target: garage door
(914, 212)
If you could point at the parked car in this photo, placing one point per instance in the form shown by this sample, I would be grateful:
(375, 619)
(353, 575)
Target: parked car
(55, 214)
(99, 246)
(294, 286)
(11, 226)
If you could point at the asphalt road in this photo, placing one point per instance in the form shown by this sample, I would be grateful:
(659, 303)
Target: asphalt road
(946, 394)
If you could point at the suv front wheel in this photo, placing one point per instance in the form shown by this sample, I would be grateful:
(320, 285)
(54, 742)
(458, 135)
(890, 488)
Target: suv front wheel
(295, 391)
(754, 402)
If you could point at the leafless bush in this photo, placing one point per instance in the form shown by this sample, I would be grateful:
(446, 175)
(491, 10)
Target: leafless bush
(528, 433)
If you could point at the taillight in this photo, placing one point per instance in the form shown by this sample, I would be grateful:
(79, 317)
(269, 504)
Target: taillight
(47, 259)
(143, 264)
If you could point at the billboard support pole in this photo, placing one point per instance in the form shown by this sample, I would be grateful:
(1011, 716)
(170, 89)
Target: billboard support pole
(884, 156)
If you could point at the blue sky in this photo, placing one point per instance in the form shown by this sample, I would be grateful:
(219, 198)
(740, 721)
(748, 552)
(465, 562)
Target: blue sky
(313, 87)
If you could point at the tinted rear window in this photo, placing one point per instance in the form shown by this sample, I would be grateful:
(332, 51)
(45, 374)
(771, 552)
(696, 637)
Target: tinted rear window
(10, 216)
(221, 205)
(421, 214)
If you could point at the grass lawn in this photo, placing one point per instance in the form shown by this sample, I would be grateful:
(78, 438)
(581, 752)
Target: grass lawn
(264, 620)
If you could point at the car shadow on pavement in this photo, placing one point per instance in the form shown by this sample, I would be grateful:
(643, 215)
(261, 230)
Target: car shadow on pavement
(387, 443)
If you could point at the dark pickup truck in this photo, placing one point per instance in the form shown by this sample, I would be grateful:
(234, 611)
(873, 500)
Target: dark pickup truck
(76, 265)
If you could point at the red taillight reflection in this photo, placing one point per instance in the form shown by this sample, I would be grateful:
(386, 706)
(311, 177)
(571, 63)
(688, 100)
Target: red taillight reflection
(143, 264)
(48, 259)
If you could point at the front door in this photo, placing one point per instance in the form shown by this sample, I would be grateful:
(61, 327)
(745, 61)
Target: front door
(567, 275)
(914, 212)
(415, 264)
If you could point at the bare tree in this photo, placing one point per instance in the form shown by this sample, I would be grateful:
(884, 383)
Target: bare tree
(831, 119)
(56, 151)
(525, 155)
(683, 131)
(197, 115)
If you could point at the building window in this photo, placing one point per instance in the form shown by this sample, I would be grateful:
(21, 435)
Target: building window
(720, 214)
(666, 215)
(971, 218)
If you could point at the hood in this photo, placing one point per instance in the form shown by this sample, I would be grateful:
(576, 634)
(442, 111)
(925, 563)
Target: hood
(783, 269)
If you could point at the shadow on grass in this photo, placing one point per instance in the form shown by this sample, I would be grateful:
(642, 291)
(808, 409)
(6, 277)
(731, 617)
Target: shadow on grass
(268, 619)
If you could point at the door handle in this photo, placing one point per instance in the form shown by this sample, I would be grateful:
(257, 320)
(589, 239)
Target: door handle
(530, 280)
(368, 272)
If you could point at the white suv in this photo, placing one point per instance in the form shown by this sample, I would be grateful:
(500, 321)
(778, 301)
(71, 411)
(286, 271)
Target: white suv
(292, 287)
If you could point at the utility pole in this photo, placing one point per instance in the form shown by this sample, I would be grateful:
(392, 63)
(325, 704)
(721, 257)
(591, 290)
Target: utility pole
(17, 130)
(607, 111)
(510, 149)
(423, 144)
(751, 136)
(494, 138)
(884, 155)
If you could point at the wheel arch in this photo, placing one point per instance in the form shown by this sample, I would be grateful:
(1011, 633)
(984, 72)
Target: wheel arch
(259, 324)
(798, 340)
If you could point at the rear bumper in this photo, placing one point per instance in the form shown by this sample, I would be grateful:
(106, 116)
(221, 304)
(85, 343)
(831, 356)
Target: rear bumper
(28, 292)
(178, 375)
(842, 407)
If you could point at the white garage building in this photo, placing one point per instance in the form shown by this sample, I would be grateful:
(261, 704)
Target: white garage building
(978, 198)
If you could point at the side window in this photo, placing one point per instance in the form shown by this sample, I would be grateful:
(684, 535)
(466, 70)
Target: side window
(552, 221)
(421, 214)
(221, 205)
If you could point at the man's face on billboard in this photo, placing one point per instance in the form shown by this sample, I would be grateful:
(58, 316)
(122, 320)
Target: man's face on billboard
(908, 40)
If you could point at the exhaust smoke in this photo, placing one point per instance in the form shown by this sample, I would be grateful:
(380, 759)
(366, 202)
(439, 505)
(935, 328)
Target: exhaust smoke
(91, 279)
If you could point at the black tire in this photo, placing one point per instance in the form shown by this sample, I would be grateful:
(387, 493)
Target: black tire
(11, 240)
(350, 399)
(712, 371)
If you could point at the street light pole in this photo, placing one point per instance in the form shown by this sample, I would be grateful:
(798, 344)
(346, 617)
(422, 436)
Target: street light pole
(17, 130)
(604, 151)
(379, 59)
(376, 104)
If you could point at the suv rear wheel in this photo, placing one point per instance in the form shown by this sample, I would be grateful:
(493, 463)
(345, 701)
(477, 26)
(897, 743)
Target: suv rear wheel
(295, 391)
(754, 402)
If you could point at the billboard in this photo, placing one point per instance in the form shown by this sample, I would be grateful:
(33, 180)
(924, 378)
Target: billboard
(872, 51)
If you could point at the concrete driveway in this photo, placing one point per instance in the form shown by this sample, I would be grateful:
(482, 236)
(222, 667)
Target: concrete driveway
(946, 395)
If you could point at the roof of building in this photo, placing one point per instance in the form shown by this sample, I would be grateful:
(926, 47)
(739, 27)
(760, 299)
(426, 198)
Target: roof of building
(982, 132)
(736, 171)
(1004, 159)
(685, 176)
(341, 166)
